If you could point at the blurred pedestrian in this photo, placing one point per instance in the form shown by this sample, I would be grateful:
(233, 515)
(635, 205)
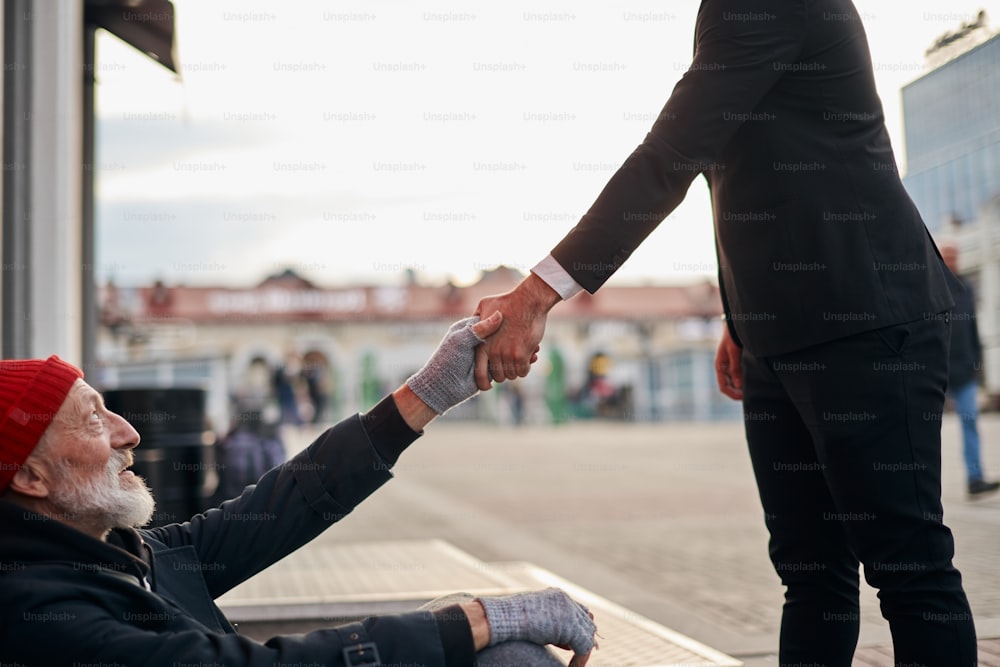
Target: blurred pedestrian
(252, 446)
(314, 373)
(964, 372)
(286, 389)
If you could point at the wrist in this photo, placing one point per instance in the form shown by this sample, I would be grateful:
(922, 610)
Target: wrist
(387, 430)
(539, 294)
(414, 411)
(478, 623)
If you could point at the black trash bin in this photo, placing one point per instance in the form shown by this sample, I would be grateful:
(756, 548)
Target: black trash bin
(176, 455)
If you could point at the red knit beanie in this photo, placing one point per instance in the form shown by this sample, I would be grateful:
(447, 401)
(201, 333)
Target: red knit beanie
(31, 393)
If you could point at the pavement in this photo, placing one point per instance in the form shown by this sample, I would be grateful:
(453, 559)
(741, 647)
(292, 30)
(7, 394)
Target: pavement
(662, 519)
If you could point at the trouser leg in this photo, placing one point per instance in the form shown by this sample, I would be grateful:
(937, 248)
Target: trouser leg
(809, 551)
(874, 412)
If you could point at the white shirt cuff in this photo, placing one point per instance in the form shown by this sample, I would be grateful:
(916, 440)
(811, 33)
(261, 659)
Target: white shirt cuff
(555, 276)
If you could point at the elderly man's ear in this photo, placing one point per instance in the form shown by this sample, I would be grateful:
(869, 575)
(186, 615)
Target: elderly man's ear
(29, 481)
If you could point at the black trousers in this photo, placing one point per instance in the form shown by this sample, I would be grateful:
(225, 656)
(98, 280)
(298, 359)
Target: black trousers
(845, 440)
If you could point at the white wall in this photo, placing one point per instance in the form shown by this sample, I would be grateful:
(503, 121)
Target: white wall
(56, 136)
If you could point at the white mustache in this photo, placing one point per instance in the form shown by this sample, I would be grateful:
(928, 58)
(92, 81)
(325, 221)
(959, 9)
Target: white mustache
(119, 461)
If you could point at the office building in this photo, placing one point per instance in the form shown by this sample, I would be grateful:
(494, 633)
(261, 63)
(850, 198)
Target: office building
(951, 117)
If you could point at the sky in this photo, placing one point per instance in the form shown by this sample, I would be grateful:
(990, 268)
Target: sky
(355, 141)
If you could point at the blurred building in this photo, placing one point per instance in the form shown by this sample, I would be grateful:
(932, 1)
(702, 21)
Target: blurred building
(951, 117)
(952, 131)
(359, 342)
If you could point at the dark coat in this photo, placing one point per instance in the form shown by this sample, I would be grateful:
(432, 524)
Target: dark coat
(966, 357)
(816, 237)
(146, 597)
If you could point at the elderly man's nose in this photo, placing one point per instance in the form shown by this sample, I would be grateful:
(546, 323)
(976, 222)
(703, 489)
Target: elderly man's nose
(124, 434)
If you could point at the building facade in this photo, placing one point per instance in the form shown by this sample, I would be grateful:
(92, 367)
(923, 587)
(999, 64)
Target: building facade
(632, 353)
(952, 128)
(952, 133)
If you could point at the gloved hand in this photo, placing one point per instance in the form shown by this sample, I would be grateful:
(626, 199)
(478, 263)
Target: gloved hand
(446, 379)
(542, 617)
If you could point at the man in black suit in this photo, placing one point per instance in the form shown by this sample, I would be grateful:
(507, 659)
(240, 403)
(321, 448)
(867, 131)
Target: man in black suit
(837, 316)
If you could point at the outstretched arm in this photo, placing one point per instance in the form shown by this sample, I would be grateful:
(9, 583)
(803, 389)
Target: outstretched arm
(736, 63)
(326, 480)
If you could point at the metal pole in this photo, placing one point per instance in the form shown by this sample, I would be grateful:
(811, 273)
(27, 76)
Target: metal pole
(88, 294)
(17, 116)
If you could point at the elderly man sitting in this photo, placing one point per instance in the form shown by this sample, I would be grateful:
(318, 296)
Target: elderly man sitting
(79, 584)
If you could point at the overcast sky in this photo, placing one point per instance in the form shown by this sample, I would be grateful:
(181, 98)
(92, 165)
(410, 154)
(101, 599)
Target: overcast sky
(353, 140)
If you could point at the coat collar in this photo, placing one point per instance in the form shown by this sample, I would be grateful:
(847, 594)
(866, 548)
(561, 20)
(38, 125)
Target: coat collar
(30, 539)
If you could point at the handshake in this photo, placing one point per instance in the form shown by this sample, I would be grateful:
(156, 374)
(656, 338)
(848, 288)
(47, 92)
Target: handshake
(459, 367)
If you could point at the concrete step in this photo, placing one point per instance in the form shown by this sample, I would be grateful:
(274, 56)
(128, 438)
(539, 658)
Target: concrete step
(328, 583)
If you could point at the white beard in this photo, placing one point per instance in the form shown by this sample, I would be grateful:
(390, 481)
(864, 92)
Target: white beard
(105, 500)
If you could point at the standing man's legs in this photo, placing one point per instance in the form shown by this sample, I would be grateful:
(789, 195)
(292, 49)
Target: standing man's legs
(872, 404)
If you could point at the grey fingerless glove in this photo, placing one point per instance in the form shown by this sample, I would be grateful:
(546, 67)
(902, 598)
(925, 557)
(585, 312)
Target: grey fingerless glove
(446, 379)
(542, 617)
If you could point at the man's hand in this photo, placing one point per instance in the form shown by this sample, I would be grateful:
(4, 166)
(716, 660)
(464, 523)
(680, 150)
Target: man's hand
(542, 617)
(728, 367)
(509, 353)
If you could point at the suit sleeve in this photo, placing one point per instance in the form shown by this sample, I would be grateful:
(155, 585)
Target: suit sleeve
(739, 56)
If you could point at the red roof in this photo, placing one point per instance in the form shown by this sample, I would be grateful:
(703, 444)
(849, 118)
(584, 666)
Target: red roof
(289, 299)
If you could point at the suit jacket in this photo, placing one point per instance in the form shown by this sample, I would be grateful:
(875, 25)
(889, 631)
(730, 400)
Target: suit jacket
(816, 237)
(147, 596)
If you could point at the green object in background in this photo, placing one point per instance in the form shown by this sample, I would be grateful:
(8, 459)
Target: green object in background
(371, 386)
(555, 389)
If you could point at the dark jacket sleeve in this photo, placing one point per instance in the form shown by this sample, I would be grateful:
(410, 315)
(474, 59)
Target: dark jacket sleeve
(73, 633)
(288, 507)
(741, 52)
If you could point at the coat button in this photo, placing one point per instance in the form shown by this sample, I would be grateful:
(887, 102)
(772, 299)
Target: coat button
(354, 636)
